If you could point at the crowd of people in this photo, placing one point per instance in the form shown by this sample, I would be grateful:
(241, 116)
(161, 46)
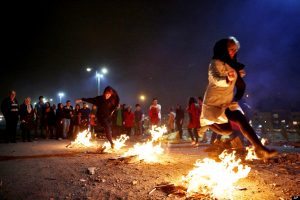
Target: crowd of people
(219, 110)
(46, 120)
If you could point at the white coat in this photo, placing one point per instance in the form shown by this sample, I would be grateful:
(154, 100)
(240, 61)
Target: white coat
(219, 94)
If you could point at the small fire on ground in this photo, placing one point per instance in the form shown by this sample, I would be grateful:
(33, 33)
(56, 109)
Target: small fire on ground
(251, 155)
(149, 151)
(215, 179)
(83, 139)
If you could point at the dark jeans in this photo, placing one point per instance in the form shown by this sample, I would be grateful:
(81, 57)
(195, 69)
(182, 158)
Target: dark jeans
(240, 119)
(11, 130)
(26, 134)
(107, 129)
(39, 126)
(179, 128)
(193, 133)
(247, 130)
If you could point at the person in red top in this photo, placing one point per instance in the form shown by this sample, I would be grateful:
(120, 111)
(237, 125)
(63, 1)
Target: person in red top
(128, 120)
(194, 123)
(155, 113)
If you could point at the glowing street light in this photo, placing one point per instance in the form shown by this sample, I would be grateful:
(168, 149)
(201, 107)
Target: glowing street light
(88, 69)
(99, 75)
(60, 94)
(142, 97)
(104, 70)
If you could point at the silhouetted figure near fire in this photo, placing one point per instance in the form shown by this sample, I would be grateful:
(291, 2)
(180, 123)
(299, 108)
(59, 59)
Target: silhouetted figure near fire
(106, 105)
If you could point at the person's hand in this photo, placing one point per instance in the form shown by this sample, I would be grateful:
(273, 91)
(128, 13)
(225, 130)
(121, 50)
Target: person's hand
(231, 75)
(78, 101)
(242, 73)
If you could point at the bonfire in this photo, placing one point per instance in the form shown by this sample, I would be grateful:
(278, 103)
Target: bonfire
(148, 151)
(215, 179)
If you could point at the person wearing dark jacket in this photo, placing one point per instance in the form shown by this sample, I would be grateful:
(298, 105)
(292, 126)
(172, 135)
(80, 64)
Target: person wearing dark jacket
(59, 121)
(49, 120)
(106, 105)
(10, 111)
(27, 119)
(179, 119)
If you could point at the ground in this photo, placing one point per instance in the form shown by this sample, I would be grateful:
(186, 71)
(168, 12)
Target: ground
(46, 169)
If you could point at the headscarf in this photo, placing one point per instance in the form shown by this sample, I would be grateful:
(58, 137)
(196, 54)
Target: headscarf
(221, 53)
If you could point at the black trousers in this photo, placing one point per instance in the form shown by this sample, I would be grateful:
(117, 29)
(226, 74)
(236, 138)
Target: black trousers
(247, 130)
(194, 134)
(240, 119)
(11, 130)
(26, 134)
(179, 128)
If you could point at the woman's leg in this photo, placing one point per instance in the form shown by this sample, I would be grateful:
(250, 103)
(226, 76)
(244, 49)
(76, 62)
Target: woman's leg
(191, 134)
(237, 117)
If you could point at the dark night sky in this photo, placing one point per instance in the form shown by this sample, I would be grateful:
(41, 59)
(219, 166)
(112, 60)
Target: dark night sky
(157, 48)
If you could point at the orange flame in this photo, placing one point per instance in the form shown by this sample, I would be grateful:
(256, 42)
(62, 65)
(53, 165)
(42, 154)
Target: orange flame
(215, 178)
(83, 140)
(149, 150)
(119, 143)
(251, 155)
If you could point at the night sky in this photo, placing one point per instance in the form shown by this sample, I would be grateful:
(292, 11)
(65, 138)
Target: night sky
(157, 48)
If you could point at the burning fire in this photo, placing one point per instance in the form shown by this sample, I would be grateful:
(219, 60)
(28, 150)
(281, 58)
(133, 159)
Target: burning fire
(83, 140)
(149, 150)
(215, 179)
(251, 155)
(119, 143)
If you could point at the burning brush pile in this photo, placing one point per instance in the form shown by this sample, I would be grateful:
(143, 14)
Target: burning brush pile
(147, 151)
(209, 178)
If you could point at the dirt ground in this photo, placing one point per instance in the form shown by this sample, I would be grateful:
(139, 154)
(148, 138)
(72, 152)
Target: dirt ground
(46, 169)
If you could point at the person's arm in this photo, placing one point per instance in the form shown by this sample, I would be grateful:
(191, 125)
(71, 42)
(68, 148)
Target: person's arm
(219, 75)
(89, 100)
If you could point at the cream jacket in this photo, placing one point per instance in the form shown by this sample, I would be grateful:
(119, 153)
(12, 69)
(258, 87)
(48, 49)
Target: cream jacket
(219, 94)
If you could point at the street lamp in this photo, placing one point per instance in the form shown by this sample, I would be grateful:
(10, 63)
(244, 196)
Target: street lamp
(61, 94)
(142, 97)
(88, 69)
(98, 77)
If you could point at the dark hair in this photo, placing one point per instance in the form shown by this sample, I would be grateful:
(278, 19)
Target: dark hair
(192, 100)
(68, 101)
(136, 105)
(221, 53)
(41, 97)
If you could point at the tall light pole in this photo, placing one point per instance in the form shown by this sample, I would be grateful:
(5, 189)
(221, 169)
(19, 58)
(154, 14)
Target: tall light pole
(99, 75)
(60, 94)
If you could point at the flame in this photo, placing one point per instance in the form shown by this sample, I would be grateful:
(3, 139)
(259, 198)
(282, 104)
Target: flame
(119, 143)
(149, 150)
(251, 155)
(264, 141)
(215, 178)
(83, 140)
